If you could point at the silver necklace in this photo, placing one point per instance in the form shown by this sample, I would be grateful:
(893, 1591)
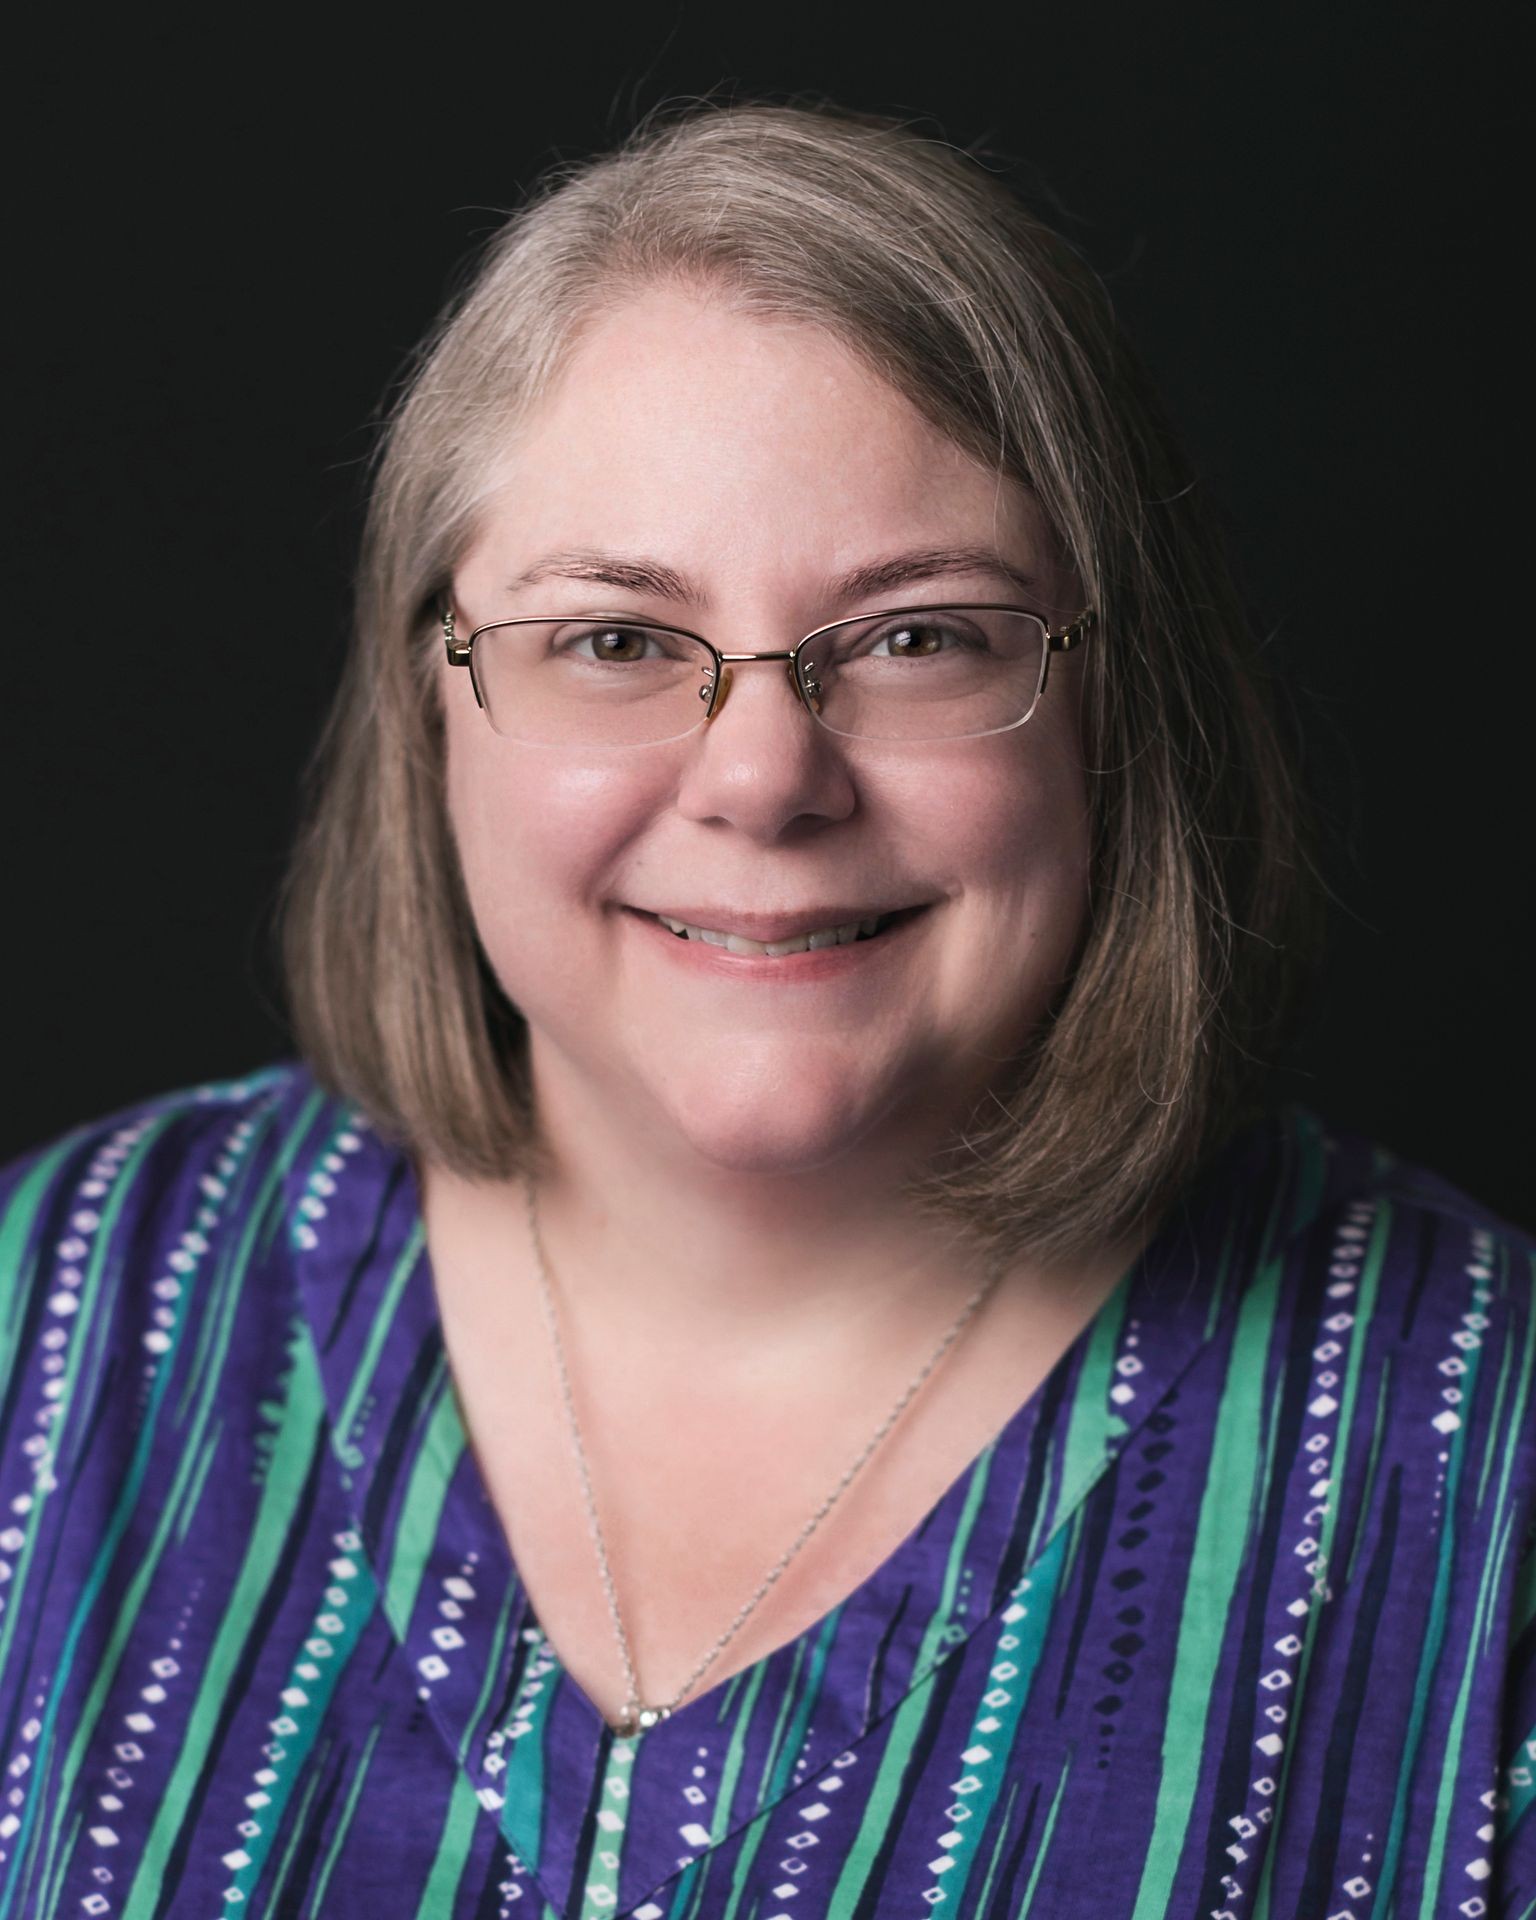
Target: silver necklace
(636, 1717)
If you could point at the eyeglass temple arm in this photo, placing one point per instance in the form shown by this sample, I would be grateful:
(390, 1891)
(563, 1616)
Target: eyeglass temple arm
(458, 650)
(1064, 639)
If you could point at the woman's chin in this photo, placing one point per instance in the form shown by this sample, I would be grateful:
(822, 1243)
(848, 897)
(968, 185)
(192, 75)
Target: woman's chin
(797, 1125)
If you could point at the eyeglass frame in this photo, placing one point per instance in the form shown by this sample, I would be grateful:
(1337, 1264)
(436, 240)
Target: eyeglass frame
(716, 688)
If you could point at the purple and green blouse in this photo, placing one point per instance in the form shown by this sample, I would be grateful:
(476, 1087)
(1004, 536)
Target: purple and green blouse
(1234, 1619)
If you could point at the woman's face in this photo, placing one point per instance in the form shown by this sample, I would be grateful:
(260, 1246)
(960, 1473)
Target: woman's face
(697, 466)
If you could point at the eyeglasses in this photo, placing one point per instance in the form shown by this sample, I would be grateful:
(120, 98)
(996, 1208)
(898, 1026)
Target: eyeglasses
(909, 673)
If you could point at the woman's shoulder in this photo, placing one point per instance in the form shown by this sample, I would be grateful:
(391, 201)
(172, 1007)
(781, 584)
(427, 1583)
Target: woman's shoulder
(145, 1184)
(1326, 1181)
(1404, 1238)
(1403, 1294)
(1409, 1315)
(141, 1132)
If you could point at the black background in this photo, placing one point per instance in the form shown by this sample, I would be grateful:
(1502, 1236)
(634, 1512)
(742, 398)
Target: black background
(230, 236)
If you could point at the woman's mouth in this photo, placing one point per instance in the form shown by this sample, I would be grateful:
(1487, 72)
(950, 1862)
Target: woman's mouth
(843, 935)
(814, 936)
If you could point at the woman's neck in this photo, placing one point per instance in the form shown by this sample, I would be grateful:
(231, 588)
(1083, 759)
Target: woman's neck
(657, 1239)
(665, 1262)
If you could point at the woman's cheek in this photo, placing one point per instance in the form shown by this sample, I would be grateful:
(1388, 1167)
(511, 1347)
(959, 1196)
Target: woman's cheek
(542, 832)
(992, 813)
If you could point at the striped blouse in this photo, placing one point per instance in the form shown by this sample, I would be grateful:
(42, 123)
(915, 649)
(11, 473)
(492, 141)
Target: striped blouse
(1236, 1615)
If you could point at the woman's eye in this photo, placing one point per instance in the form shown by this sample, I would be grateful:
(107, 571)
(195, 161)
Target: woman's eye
(914, 642)
(616, 646)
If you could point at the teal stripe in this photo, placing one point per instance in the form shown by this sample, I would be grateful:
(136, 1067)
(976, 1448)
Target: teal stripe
(80, 1321)
(17, 1226)
(57, 1867)
(599, 1892)
(1363, 1312)
(1215, 1564)
(1451, 1758)
(299, 1831)
(206, 1370)
(495, 1656)
(742, 1696)
(139, 1582)
(1429, 1656)
(797, 1707)
(985, 1892)
(293, 1456)
(343, 1827)
(437, 1898)
(195, 1491)
(982, 1766)
(907, 1723)
(1479, 1640)
(437, 1458)
(1093, 1424)
(743, 1693)
(1045, 1843)
(1521, 1793)
(1372, 1464)
(523, 1783)
(731, 1774)
(52, 1844)
(314, 1673)
(383, 1320)
(732, 1768)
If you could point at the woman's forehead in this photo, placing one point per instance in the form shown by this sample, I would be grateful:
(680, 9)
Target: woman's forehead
(689, 439)
(674, 395)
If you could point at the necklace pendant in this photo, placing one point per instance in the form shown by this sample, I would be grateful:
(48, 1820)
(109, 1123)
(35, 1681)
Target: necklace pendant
(637, 1719)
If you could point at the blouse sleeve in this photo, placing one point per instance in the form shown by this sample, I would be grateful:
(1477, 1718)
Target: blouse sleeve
(1515, 1811)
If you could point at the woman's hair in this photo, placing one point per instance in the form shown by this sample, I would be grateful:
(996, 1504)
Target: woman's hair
(939, 277)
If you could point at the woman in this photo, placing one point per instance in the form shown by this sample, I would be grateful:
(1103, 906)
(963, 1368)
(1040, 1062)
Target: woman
(760, 1361)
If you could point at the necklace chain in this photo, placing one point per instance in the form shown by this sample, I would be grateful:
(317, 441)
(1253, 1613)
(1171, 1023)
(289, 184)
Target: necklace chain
(637, 1717)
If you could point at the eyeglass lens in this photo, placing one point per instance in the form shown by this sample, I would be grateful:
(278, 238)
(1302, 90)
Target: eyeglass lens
(943, 672)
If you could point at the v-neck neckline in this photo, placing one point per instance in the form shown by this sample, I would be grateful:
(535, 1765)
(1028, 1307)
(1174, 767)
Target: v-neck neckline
(530, 1743)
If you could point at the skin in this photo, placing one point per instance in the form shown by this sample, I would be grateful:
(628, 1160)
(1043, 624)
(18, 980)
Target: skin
(723, 1218)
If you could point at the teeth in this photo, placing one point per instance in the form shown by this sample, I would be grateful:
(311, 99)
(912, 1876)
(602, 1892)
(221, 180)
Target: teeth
(802, 943)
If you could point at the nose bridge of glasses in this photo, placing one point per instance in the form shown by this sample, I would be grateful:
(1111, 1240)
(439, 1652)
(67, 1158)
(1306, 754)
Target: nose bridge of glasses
(804, 695)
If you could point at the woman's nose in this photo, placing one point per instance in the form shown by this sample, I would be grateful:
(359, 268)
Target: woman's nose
(763, 763)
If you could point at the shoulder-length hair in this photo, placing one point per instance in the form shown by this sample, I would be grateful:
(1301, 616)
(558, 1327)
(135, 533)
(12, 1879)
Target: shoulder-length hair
(930, 268)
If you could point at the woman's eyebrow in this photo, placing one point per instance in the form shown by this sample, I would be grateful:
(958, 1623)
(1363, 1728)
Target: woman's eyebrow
(637, 574)
(633, 574)
(929, 563)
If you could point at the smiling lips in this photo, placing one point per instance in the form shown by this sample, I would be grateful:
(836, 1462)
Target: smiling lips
(841, 927)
